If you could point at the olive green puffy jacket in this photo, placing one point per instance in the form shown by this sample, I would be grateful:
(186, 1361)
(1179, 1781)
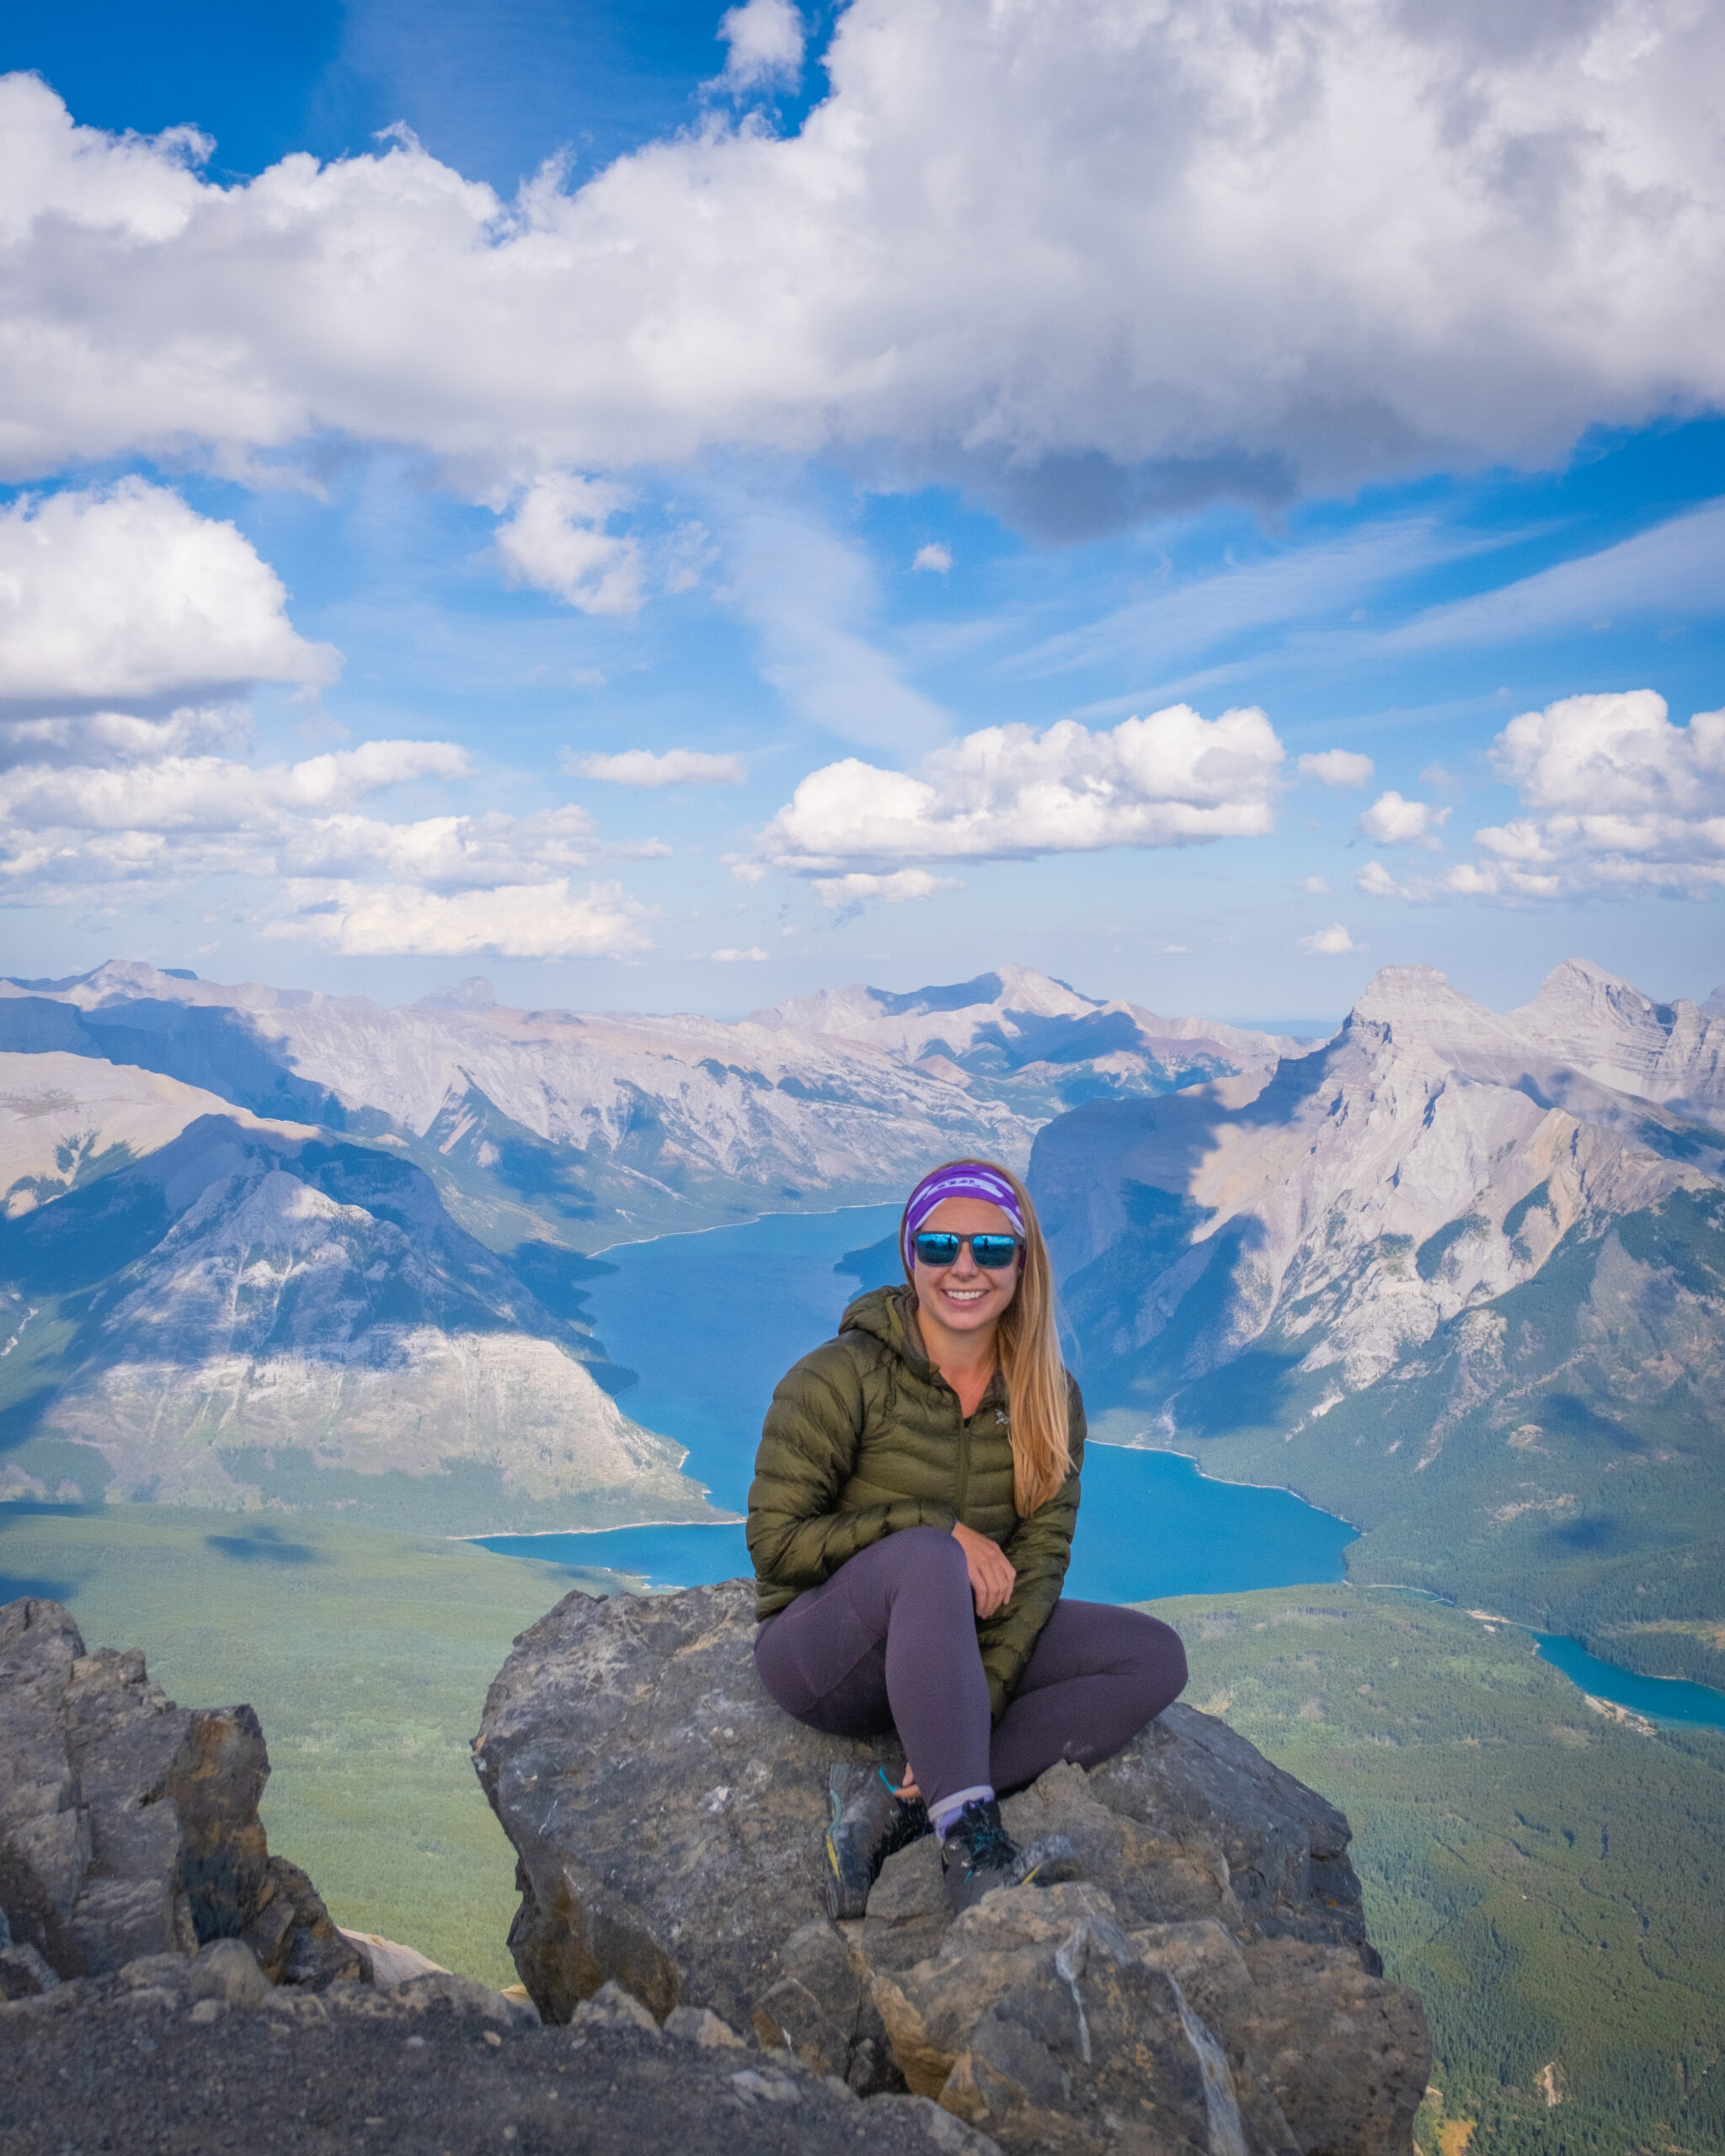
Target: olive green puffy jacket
(864, 1437)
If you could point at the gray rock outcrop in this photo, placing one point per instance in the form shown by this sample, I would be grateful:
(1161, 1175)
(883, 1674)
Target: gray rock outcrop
(1208, 1987)
(201, 2058)
(129, 1825)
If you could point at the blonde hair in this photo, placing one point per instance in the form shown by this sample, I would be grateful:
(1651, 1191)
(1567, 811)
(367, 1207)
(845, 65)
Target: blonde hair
(1029, 1347)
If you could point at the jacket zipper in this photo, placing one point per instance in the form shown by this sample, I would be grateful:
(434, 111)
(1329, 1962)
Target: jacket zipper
(963, 1458)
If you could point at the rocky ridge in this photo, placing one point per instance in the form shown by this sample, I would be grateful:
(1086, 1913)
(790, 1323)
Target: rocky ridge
(129, 1827)
(601, 1126)
(1032, 1040)
(160, 1969)
(1207, 1989)
(1432, 1157)
(1209, 1986)
(266, 1312)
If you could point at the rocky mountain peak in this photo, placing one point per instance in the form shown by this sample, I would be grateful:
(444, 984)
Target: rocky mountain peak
(1595, 1023)
(1417, 1004)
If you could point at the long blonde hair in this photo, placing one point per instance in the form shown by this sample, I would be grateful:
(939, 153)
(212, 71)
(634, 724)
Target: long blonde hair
(1028, 1346)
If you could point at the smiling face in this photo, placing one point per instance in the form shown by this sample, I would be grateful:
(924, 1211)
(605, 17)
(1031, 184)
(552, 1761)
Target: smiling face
(960, 1299)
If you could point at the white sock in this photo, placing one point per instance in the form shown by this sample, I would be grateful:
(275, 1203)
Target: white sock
(948, 1817)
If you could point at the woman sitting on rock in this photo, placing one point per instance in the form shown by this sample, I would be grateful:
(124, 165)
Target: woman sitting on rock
(911, 1522)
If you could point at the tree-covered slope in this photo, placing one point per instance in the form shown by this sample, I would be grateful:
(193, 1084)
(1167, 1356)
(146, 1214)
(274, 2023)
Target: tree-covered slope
(1545, 1874)
(1441, 1282)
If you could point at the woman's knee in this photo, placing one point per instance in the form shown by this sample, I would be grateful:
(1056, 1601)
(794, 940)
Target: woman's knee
(927, 1553)
(1158, 1662)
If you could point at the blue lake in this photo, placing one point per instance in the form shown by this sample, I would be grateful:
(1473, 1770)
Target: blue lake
(712, 1322)
(1660, 1699)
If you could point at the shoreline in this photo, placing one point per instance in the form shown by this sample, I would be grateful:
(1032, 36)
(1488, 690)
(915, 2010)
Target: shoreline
(1491, 1620)
(622, 1527)
(723, 1227)
(1227, 1482)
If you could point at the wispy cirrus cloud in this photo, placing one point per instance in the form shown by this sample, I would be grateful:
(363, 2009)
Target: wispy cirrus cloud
(652, 768)
(813, 599)
(1676, 567)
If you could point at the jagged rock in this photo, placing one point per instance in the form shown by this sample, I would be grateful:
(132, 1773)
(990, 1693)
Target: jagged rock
(129, 1825)
(1208, 1987)
(700, 2024)
(386, 1962)
(437, 2064)
(23, 1974)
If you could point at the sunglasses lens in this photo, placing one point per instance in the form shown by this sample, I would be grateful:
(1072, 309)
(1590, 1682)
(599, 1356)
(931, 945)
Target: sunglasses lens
(993, 1253)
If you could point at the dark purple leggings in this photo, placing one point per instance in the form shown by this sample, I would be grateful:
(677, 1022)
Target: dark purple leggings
(889, 1642)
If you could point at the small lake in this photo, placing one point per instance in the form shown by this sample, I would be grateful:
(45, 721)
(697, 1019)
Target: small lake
(1660, 1699)
(713, 1321)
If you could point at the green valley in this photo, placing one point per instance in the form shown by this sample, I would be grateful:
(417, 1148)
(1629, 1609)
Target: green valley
(1548, 1877)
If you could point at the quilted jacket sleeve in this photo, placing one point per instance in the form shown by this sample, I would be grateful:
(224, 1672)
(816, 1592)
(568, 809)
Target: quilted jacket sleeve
(1040, 1549)
(797, 1537)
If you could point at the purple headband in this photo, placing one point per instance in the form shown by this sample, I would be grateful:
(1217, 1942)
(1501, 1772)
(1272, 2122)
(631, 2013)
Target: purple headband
(968, 1179)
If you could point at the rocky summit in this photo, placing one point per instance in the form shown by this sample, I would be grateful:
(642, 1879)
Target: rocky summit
(165, 1983)
(1208, 1986)
(1205, 1989)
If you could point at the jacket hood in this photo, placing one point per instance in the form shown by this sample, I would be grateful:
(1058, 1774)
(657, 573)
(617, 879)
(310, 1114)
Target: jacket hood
(883, 1313)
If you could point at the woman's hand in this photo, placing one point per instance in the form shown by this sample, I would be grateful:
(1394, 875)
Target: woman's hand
(991, 1578)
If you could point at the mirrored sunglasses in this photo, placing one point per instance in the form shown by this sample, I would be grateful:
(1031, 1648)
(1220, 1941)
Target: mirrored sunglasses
(993, 1253)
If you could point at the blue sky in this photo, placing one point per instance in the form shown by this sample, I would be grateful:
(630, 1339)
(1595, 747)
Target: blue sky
(976, 461)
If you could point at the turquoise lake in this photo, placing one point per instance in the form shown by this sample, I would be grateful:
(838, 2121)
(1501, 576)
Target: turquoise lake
(713, 1321)
(1660, 1699)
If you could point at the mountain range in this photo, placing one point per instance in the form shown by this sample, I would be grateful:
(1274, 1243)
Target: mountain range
(264, 1247)
(1458, 1275)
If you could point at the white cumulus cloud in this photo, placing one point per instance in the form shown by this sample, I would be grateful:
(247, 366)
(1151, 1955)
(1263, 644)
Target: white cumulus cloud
(933, 557)
(1392, 821)
(1340, 768)
(1105, 259)
(1615, 799)
(1327, 943)
(127, 595)
(651, 768)
(554, 538)
(309, 861)
(1616, 796)
(1172, 779)
(766, 38)
(515, 920)
(731, 955)
(860, 888)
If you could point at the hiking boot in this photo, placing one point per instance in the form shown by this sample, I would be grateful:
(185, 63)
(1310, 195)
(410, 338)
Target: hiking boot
(870, 1822)
(979, 1854)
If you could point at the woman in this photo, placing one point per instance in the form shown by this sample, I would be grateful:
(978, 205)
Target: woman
(911, 1522)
